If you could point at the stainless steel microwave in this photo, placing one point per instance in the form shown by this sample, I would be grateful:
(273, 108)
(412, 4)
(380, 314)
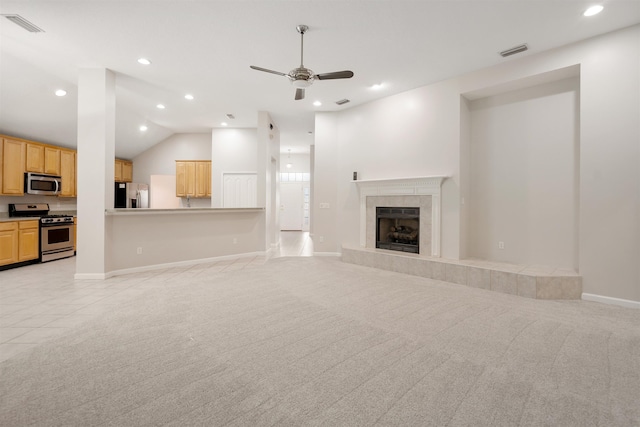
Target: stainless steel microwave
(37, 183)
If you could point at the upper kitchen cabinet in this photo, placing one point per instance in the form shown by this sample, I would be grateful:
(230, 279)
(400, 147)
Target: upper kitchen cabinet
(41, 158)
(34, 158)
(12, 159)
(68, 173)
(123, 171)
(52, 160)
(193, 178)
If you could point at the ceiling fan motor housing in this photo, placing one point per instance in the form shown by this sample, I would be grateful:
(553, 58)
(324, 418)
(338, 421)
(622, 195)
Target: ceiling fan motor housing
(301, 77)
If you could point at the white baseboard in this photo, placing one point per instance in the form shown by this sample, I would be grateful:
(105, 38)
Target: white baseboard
(179, 264)
(91, 276)
(611, 300)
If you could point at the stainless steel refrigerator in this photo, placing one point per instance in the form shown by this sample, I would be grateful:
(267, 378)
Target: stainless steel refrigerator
(131, 195)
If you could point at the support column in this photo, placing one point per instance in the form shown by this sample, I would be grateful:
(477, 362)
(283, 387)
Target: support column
(95, 169)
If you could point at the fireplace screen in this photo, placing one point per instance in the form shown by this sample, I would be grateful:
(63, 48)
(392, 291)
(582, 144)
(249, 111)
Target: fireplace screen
(398, 229)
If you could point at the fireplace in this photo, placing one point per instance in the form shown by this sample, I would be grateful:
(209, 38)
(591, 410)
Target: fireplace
(398, 229)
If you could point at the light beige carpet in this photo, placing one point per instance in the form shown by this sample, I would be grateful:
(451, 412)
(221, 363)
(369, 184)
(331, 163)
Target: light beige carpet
(313, 341)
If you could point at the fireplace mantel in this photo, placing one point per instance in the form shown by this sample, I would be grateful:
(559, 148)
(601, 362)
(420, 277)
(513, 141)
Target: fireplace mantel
(418, 186)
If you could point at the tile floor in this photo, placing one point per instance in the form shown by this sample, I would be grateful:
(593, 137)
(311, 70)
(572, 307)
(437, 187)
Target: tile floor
(40, 301)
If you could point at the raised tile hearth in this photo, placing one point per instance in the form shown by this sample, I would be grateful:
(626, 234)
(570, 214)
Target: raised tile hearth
(526, 281)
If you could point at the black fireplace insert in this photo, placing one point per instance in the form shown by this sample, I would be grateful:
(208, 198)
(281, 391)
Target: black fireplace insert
(398, 229)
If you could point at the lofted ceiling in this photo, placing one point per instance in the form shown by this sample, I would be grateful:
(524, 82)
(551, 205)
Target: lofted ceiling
(205, 48)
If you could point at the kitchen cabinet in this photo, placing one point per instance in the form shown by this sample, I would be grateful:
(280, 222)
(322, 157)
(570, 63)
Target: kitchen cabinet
(68, 173)
(123, 171)
(42, 159)
(34, 158)
(52, 160)
(19, 241)
(193, 178)
(12, 159)
(28, 240)
(8, 243)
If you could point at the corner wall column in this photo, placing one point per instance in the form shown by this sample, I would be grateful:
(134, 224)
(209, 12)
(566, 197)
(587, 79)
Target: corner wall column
(95, 169)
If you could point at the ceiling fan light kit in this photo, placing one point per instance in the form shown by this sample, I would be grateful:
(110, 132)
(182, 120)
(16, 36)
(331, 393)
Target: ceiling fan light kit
(303, 77)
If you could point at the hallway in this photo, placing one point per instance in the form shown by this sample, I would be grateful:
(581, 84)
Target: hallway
(294, 243)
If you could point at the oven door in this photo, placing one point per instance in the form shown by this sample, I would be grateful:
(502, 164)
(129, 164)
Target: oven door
(55, 237)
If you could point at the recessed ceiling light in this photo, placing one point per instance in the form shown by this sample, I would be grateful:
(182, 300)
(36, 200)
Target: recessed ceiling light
(223, 124)
(376, 86)
(61, 92)
(160, 106)
(317, 103)
(144, 61)
(143, 128)
(188, 96)
(593, 10)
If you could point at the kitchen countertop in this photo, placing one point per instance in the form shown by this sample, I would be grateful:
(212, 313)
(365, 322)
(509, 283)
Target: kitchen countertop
(178, 211)
(20, 218)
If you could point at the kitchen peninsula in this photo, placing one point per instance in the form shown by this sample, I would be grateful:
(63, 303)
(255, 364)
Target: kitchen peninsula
(145, 239)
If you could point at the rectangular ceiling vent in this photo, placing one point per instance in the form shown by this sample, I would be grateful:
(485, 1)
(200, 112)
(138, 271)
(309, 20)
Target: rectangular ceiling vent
(19, 20)
(514, 50)
(342, 101)
(230, 116)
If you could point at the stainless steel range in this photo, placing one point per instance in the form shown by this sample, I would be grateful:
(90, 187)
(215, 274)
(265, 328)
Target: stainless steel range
(56, 231)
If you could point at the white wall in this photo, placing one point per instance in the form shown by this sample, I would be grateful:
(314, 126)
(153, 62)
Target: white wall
(421, 132)
(524, 175)
(190, 236)
(232, 150)
(299, 162)
(161, 158)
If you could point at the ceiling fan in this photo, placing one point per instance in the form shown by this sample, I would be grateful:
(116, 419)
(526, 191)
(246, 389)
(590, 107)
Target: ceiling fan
(302, 77)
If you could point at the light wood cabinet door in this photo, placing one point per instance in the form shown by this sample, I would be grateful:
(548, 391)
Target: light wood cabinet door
(117, 171)
(201, 179)
(127, 171)
(208, 178)
(52, 160)
(13, 165)
(68, 173)
(34, 158)
(190, 174)
(28, 241)
(193, 178)
(181, 179)
(8, 243)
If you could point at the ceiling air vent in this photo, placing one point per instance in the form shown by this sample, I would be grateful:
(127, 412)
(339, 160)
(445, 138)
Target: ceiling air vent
(514, 50)
(342, 101)
(230, 116)
(19, 20)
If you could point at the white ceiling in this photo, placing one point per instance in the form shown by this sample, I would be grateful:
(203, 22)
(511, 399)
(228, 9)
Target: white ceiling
(205, 48)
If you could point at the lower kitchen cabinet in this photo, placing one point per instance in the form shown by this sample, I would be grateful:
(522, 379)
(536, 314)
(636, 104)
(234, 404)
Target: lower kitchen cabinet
(28, 240)
(19, 241)
(8, 243)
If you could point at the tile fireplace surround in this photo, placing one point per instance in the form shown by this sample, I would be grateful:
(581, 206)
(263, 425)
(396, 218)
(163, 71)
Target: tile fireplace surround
(527, 281)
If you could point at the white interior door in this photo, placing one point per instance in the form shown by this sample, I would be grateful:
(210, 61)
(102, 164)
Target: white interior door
(291, 205)
(239, 190)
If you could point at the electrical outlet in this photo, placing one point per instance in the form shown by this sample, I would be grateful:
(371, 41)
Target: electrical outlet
(500, 245)
(321, 239)
(139, 251)
(235, 240)
(324, 205)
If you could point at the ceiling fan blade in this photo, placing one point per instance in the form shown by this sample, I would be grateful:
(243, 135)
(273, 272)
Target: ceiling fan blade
(299, 94)
(335, 75)
(266, 70)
